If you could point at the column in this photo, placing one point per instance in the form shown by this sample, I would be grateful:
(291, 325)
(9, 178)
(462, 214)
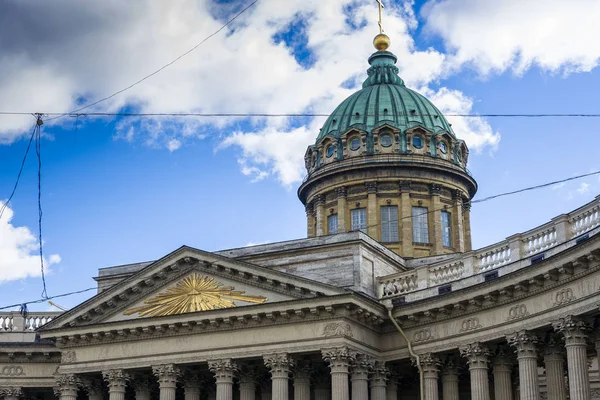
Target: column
(339, 360)
(458, 232)
(502, 370)
(436, 217)
(224, 371)
(322, 382)
(66, 387)
(575, 334)
(406, 219)
(13, 393)
(141, 384)
(302, 380)
(191, 385)
(310, 220)
(320, 214)
(373, 228)
(450, 379)
(391, 390)
(555, 371)
(166, 375)
(467, 223)
(477, 356)
(342, 206)
(117, 380)
(525, 344)
(379, 375)
(280, 366)
(248, 379)
(430, 365)
(360, 377)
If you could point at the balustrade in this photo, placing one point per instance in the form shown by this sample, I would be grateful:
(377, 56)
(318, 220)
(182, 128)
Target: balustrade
(446, 273)
(399, 284)
(494, 257)
(15, 322)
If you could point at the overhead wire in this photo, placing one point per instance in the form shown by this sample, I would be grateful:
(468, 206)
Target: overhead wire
(38, 151)
(158, 70)
(410, 216)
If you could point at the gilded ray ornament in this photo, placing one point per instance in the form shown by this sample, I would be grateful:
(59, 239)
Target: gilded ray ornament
(193, 293)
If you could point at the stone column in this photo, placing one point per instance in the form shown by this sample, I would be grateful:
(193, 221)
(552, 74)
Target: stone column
(467, 224)
(141, 384)
(502, 370)
(320, 214)
(66, 387)
(525, 344)
(458, 232)
(13, 393)
(379, 375)
(224, 371)
(310, 220)
(430, 365)
(248, 379)
(575, 334)
(436, 216)
(280, 366)
(391, 390)
(373, 228)
(450, 380)
(166, 375)
(302, 381)
(117, 380)
(339, 360)
(555, 371)
(322, 383)
(477, 356)
(406, 219)
(360, 377)
(192, 384)
(342, 207)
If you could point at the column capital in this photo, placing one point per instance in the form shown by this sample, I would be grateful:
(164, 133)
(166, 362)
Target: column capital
(249, 373)
(435, 189)
(361, 366)
(341, 192)
(166, 374)
(404, 186)
(371, 187)
(379, 373)
(92, 385)
(466, 205)
(116, 378)
(280, 364)
(339, 358)
(319, 200)
(503, 360)
(192, 379)
(457, 196)
(553, 350)
(451, 367)
(574, 330)
(477, 355)
(430, 364)
(525, 344)
(223, 369)
(309, 208)
(302, 369)
(16, 391)
(66, 385)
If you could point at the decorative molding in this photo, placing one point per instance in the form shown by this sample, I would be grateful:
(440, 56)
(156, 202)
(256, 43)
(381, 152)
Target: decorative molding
(422, 335)
(337, 329)
(12, 370)
(11, 392)
(517, 312)
(563, 296)
(470, 324)
(68, 357)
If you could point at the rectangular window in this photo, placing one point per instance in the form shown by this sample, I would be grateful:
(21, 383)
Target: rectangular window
(389, 224)
(420, 227)
(332, 224)
(446, 229)
(359, 219)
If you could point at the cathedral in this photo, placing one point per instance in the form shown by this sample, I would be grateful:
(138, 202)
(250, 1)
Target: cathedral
(384, 300)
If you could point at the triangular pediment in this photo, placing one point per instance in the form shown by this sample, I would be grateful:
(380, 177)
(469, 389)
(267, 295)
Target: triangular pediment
(190, 281)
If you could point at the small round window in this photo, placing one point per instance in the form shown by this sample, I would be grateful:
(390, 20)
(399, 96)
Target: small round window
(354, 143)
(417, 142)
(330, 150)
(443, 147)
(385, 140)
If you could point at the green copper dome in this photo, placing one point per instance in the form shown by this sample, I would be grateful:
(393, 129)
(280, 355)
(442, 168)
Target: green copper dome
(384, 99)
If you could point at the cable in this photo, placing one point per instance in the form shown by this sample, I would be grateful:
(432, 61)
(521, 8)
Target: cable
(48, 298)
(38, 151)
(161, 68)
(76, 113)
(20, 172)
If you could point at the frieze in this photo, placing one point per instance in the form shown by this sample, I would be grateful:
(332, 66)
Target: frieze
(337, 329)
(517, 312)
(422, 335)
(563, 296)
(470, 324)
(12, 370)
(68, 357)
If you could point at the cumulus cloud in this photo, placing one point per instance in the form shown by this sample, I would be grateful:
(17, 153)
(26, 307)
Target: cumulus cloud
(279, 57)
(19, 257)
(495, 36)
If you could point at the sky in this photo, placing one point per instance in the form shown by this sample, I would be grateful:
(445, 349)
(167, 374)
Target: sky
(118, 190)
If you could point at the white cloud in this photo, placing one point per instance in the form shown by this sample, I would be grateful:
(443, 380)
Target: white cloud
(19, 257)
(495, 36)
(61, 60)
(583, 188)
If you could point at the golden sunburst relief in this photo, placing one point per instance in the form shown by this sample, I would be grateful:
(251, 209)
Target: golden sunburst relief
(193, 293)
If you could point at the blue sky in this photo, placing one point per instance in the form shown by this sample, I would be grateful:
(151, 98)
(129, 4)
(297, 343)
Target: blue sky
(117, 191)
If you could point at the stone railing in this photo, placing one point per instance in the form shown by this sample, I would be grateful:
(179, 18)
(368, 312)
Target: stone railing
(15, 322)
(558, 234)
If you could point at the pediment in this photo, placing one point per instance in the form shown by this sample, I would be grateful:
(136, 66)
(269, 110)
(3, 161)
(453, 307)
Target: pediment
(190, 281)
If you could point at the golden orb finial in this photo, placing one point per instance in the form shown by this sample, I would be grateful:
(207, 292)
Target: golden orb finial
(381, 42)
